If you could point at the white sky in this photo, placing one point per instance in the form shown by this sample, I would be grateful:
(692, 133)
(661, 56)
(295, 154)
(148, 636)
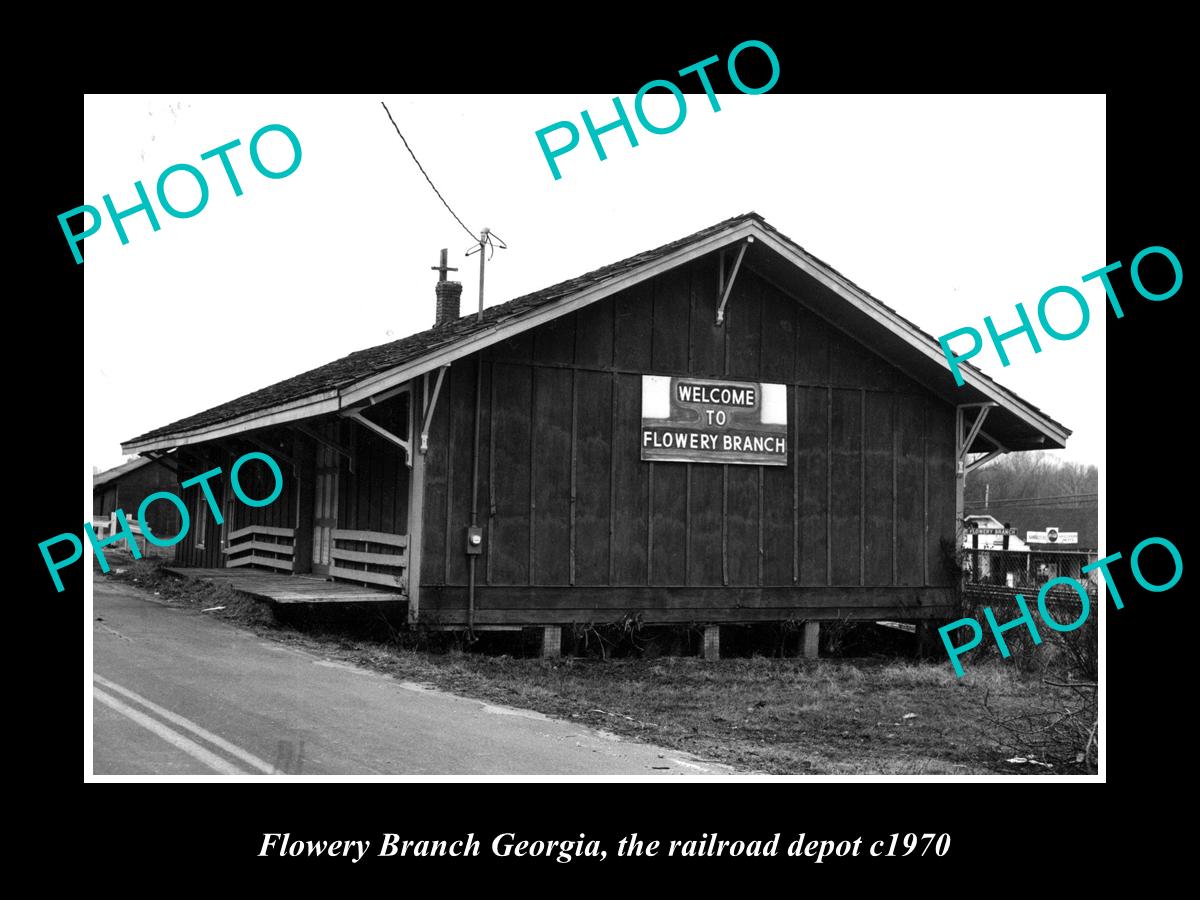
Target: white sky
(946, 208)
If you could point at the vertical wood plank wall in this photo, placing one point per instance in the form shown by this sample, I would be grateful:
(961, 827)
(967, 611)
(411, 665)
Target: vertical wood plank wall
(374, 497)
(256, 481)
(566, 502)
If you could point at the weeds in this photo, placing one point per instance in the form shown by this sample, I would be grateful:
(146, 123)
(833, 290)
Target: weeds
(1060, 727)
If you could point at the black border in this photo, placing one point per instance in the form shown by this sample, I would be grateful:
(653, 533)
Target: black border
(216, 832)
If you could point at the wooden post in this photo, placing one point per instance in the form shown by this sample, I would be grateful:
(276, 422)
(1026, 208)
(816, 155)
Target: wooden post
(960, 481)
(416, 509)
(812, 636)
(924, 638)
(304, 451)
(712, 642)
(962, 449)
(552, 642)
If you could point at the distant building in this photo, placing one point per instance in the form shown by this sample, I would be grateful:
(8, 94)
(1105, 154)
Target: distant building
(1048, 540)
(986, 532)
(125, 487)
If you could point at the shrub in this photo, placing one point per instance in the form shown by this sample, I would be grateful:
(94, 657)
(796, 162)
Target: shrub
(1064, 733)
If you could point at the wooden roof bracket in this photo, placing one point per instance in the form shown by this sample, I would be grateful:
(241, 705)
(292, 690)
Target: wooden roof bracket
(357, 416)
(431, 406)
(405, 388)
(963, 445)
(990, 455)
(987, 458)
(726, 288)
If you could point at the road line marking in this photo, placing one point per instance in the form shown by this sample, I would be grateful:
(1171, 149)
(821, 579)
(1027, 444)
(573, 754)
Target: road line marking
(176, 719)
(174, 738)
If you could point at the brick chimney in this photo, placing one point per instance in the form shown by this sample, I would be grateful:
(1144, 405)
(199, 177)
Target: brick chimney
(449, 295)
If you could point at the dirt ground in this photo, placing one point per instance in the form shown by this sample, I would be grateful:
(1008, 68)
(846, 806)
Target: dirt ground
(865, 715)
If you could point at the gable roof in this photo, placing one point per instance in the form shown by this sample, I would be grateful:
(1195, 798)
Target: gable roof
(980, 517)
(117, 471)
(354, 378)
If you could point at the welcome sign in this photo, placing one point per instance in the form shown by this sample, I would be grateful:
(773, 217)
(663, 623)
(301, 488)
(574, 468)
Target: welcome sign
(706, 421)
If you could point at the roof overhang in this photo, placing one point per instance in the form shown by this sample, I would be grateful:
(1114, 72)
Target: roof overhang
(305, 408)
(1013, 422)
(116, 472)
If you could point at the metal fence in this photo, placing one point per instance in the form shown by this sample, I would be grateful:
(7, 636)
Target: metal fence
(1000, 574)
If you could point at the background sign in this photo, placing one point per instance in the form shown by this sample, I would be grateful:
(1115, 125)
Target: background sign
(975, 529)
(1052, 536)
(706, 421)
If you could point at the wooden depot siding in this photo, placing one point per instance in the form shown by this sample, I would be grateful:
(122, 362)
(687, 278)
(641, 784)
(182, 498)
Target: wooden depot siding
(578, 528)
(374, 497)
(256, 481)
(192, 462)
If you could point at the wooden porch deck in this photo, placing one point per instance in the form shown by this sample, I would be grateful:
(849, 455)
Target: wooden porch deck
(283, 588)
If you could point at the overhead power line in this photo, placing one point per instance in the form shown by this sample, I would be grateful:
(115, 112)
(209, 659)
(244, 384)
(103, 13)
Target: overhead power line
(1057, 498)
(426, 174)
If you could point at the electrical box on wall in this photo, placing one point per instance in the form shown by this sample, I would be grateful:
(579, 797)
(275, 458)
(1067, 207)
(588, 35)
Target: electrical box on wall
(474, 540)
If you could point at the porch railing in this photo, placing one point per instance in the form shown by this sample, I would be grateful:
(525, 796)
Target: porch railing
(263, 545)
(372, 557)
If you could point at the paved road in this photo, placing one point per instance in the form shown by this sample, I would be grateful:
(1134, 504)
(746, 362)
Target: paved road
(179, 693)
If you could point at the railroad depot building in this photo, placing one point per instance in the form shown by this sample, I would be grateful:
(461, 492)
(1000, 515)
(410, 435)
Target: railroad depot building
(720, 430)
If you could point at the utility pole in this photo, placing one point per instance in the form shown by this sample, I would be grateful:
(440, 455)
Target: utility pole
(483, 236)
(486, 239)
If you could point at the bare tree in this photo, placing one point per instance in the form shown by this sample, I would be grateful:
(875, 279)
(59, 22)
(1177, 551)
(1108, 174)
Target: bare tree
(1031, 475)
